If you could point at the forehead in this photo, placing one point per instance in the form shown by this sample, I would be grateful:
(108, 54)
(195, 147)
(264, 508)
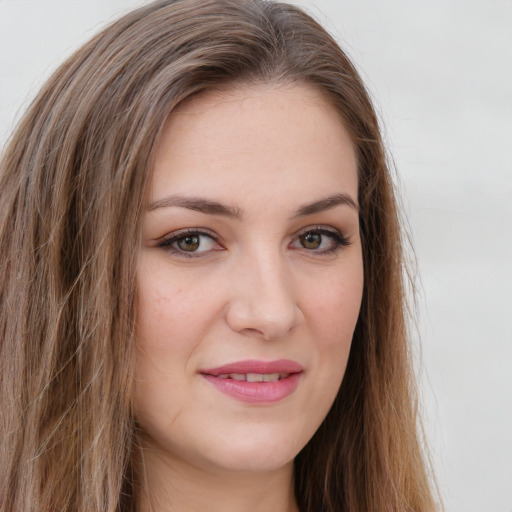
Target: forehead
(261, 135)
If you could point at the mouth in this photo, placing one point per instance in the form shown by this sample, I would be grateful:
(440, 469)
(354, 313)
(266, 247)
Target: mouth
(254, 377)
(256, 382)
(280, 367)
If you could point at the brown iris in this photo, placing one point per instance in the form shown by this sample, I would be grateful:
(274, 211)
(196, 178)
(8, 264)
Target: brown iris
(311, 240)
(189, 243)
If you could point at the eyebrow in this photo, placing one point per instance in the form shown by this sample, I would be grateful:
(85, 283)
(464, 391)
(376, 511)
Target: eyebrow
(202, 205)
(197, 204)
(326, 204)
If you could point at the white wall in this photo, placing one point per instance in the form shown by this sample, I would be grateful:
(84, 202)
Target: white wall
(441, 73)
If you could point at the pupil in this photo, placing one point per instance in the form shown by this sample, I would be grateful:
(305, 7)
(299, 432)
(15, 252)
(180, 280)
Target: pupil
(311, 240)
(189, 243)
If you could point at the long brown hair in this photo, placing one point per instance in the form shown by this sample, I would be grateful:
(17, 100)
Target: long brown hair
(72, 188)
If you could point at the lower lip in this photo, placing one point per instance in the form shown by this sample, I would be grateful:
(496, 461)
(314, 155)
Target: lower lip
(256, 392)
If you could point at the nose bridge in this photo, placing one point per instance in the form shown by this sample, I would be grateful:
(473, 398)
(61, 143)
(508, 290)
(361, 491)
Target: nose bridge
(263, 301)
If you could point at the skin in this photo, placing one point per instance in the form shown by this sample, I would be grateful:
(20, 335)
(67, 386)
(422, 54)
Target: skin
(255, 288)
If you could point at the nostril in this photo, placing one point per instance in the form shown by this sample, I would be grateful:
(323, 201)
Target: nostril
(257, 333)
(254, 332)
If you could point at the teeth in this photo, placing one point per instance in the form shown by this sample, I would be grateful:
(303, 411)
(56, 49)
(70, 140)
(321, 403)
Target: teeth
(254, 377)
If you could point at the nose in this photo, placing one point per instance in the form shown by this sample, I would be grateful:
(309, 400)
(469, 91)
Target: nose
(262, 302)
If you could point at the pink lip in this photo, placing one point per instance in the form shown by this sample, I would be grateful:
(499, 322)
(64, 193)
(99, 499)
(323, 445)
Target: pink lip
(256, 392)
(255, 366)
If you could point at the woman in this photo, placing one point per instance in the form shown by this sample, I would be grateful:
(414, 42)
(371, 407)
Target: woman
(203, 304)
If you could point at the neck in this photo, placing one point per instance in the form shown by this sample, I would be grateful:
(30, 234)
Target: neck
(174, 486)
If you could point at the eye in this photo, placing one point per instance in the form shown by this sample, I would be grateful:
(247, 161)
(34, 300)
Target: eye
(320, 239)
(190, 243)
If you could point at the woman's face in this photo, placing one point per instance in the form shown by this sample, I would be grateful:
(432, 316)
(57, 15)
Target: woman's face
(249, 278)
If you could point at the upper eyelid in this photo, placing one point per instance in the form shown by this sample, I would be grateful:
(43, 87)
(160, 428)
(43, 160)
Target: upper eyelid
(190, 231)
(320, 228)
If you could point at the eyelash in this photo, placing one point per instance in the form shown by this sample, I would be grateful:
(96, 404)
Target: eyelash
(336, 236)
(169, 242)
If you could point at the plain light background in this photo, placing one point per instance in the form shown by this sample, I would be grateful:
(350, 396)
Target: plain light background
(441, 76)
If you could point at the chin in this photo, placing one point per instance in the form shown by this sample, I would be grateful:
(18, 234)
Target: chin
(260, 460)
(255, 449)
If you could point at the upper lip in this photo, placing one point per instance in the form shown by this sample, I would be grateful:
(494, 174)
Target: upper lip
(255, 366)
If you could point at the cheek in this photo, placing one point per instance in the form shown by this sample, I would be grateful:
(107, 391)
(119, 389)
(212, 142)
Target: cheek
(161, 346)
(167, 313)
(164, 345)
(173, 317)
(333, 308)
(332, 316)
(159, 300)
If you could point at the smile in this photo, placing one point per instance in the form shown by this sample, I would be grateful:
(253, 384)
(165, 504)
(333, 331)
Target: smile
(256, 382)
